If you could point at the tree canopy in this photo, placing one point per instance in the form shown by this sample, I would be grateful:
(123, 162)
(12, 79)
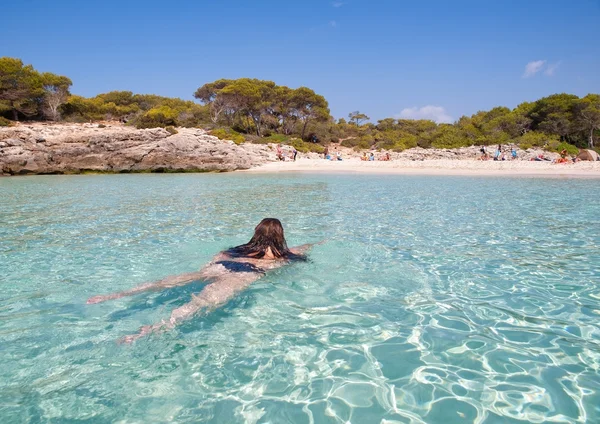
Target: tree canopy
(254, 109)
(253, 104)
(24, 92)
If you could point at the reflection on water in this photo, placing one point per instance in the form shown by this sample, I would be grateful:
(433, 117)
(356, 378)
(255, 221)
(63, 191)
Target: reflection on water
(434, 299)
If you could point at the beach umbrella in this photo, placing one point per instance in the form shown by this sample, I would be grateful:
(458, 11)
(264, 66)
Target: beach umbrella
(587, 154)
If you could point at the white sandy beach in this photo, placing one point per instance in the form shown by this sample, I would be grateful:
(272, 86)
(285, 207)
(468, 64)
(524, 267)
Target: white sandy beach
(437, 167)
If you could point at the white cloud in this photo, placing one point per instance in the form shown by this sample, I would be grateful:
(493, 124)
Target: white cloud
(332, 24)
(533, 68)
(338, 3)
(551, 69)
(434, 113)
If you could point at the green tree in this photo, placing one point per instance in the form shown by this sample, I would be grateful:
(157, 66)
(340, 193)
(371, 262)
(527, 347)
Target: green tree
(386, 124)
(251, 97)
(447, 136)
(283, 108)
(357, 118)
(554, 115)
(20, 88)
(56, 92)
(522, 117)
(208, 94)
(308, 105)
(470, 131)
(588, 116)
(416, 126)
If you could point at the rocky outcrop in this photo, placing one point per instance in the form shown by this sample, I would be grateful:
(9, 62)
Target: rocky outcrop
(462, 153)
(420, 154)
(468, 153)
(41, 148)
(76, 148)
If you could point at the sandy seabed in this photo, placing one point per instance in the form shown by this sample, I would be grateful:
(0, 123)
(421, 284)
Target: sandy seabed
(437, 167)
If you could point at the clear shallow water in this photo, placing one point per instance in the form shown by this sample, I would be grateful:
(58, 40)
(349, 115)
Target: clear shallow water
(434, 299)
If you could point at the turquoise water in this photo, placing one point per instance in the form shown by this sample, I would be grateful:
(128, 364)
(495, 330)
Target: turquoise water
(433, 299)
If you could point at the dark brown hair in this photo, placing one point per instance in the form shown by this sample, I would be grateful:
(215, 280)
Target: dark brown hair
(267, 234)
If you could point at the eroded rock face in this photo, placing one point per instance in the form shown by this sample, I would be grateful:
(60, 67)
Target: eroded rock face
(74, 148)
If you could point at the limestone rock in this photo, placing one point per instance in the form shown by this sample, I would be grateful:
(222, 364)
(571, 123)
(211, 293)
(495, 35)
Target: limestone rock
(73, 148)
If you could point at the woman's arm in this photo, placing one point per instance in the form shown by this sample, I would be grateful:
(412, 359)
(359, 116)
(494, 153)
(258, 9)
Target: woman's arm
(303, 248)
(172, 281)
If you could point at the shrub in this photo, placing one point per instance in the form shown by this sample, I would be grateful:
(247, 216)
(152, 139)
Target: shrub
(424, 143)
(495, 138)
(298, 144)
(448, 137)
(571, 150)
(364, 142)
(525, 146)
(361, 145)
(227, 134)
(161, 116)
(5, 122)
(536, 139)
(171, 130)
(304, 147)
(275, 138)
(351, 142)
(325, 131)
(261, 140)
(397, 141)
(367, 138)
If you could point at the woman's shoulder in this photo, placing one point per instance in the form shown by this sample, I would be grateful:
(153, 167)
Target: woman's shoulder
(221, 256)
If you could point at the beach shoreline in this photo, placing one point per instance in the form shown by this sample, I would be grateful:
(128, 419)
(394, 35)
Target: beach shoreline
(442, 167)
(48, 148)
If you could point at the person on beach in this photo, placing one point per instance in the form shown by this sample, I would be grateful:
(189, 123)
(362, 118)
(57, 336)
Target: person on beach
(498, 152)
(372, 156)
(541, 158)
(227, 274)
(294, 154)
(513, 152)
(563, 157)
(338, 155)
(364, 156)
(326, 153)
(279, 152)
(484, 155)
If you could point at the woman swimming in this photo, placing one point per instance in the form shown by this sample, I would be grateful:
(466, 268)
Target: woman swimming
(229, 272)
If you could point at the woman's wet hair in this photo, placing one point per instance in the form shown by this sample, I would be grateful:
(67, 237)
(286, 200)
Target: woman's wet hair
(267, 234)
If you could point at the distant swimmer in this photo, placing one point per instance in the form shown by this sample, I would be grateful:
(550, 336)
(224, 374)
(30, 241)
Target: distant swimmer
(229, 272)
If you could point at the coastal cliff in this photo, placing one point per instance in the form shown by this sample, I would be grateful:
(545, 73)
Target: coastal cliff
(75, 148)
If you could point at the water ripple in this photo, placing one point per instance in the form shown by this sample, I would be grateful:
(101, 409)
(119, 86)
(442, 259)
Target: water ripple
(433, 300)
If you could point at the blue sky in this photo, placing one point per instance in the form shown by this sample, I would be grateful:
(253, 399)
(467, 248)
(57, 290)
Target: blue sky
(430, 58)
